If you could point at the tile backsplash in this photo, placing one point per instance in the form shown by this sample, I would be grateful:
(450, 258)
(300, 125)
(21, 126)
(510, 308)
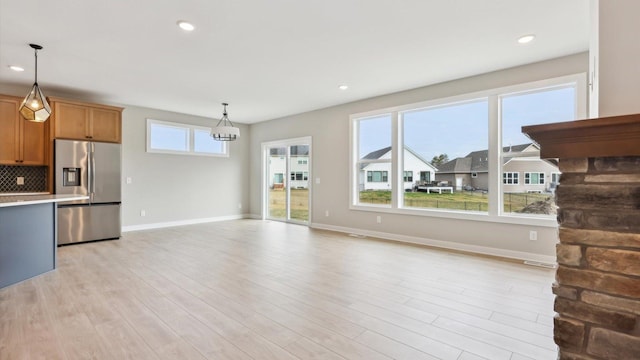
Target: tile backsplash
(35, 179)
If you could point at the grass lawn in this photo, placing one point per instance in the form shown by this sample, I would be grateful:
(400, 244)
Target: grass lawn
(466, 200)
(299, 204)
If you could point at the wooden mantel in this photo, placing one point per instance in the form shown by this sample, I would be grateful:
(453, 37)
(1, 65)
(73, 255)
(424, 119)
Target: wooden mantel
(601, 137)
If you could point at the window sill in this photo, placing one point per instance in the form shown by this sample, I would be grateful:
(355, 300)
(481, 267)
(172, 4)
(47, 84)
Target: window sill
(515, 219)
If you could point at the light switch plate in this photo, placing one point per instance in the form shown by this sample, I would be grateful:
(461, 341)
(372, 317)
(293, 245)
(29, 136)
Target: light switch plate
(20, 180)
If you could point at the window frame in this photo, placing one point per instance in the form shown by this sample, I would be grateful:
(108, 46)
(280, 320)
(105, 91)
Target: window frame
(496, 212)
(191, 129)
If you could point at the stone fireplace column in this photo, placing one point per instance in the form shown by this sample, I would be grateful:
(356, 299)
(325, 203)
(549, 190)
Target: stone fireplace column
(598, 277)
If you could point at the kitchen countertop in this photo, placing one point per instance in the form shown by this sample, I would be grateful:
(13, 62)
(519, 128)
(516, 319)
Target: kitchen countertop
(18, 200)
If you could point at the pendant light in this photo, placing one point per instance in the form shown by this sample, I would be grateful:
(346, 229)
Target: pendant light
(34, 106)
(225, 131)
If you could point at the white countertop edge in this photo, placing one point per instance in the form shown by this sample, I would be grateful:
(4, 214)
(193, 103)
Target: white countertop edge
(19, 200)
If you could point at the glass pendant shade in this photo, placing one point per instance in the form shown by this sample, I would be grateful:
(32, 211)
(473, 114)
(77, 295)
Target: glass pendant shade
(224, 130)
(34, 106)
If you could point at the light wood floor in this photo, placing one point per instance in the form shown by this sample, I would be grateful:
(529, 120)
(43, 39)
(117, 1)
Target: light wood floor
(249, 289)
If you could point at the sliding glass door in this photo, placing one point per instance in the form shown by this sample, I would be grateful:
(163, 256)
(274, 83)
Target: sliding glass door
(287, 165)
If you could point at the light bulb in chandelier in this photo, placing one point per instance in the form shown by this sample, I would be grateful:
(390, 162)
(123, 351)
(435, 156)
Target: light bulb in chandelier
(34, 107)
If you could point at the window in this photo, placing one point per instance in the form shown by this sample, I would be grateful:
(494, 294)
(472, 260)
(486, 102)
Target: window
(467, 151)
(299, 175)
(510, 178)
(203, 144)
(278, 178)
(167, 137)
(555, 178)
(440, 139)
(377, 176)
(177, 138)
(303, 161)
(531, 107)
(534, 178)
(372, 160)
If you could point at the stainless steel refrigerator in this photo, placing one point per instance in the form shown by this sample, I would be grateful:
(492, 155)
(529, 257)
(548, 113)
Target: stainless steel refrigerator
(92, 169)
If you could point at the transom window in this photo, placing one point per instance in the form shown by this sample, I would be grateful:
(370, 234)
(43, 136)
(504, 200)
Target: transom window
(184, 139)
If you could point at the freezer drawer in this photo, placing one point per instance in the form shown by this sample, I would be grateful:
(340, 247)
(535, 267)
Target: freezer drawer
(80, 223)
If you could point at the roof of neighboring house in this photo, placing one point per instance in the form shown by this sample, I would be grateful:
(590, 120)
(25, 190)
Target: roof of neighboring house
(456, 165)
(477, 161)
(377, 154)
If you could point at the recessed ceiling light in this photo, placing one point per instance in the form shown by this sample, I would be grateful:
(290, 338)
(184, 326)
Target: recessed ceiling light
(343, 87)
(526, 39)
(16, 68)
(186, 26)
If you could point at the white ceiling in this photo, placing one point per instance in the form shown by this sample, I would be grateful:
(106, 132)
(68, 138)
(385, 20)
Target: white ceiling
(273, 58)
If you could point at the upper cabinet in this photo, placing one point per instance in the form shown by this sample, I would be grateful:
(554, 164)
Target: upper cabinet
(22, 142)
(83, 121)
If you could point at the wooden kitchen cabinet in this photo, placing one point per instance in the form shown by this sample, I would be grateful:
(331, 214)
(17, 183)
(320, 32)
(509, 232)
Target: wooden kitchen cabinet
(22, 142)
(83, 121)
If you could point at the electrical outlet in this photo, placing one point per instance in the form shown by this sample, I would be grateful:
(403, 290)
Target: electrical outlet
(239, 205)
(379, 219)
(143, 213)
(326, 213)
(20, 180)
(129, 180)
(533, 235)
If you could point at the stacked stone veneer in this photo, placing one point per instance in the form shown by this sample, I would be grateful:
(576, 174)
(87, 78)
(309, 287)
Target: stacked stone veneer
(598, 277)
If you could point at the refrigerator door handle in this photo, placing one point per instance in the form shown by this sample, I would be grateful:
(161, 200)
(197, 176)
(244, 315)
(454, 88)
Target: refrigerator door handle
(92, 170)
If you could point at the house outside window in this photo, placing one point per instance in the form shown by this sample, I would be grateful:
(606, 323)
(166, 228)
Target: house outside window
(510, 178)
(408, 176)
(534, 178)
(425, 176)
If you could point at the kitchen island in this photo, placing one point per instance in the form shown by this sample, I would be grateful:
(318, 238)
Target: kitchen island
(28, 235)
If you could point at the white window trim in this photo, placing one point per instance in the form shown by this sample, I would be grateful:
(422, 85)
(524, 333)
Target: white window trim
(190, 140)
(496, 213)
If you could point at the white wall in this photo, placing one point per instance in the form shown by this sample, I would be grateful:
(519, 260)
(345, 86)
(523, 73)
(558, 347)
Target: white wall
(179, 188)
(330, 131)
(615, 51)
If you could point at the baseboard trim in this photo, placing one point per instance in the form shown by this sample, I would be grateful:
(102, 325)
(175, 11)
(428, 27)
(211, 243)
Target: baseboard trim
(183, 222)
(484, 250)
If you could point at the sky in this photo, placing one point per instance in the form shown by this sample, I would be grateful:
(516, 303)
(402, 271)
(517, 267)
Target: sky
(461, 128)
